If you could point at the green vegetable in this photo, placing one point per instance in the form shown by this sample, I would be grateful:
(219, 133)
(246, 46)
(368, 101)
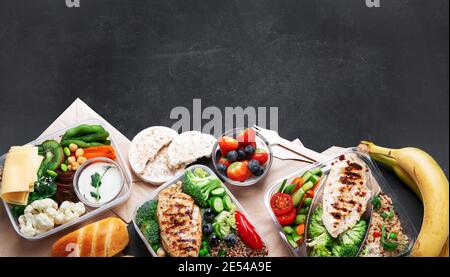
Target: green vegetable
(45, 187)
(146, 212)
(53, 156)
(81, 143)
(316, 171)
(387, 214)
(151, 231)
(200, 172)
(222, 253)
(288, 189)
(316, 226)
(356, 234)
(217, 204)
(320, 251)
(64, 167)
(306, 177)
(218, 192)
(299, 219)
(297, 197)
(314, 179)
(228, 204)
(223, 223)
(96, 182)
(95, 137)
(288, 230)
(51, 173)
(292, 242)
(155, 246)
(303, 210)
(66, 151)
(323, 239)
(307, 186)
(281, 188)
(199, 185)
(392, 236)
(344, 250)
(296, 237)
(376, 202)
(387, 245)
(307, 202)
(82, 130)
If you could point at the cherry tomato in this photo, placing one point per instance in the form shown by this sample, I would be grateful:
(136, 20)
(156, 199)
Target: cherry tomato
(227, 144)
(281, 203)
(376, 234)
(288, 218)
(246, 137)
(247, 232)
(261, 156)
(238, 171)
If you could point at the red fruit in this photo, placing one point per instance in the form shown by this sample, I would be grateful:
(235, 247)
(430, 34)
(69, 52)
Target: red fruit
(261, 156)
(246, 137)
(238, 171)
(288, 218)
(281, 203)
(227, 144)
(247, 232)
(223, 160)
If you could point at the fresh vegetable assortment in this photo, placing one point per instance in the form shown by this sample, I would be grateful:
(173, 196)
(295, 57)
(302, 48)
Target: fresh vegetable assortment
(222, 229)
(52, 201)
(241, 158)
(291, 203)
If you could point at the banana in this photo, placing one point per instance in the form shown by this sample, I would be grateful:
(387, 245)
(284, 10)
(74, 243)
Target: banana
(421, 172)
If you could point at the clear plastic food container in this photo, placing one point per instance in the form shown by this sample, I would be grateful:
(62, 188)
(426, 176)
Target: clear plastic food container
(179, 177)
(123, 195)
(376, 183)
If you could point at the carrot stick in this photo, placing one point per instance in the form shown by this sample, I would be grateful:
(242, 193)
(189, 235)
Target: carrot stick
(300, 229)
(103, 148)
(112, 156)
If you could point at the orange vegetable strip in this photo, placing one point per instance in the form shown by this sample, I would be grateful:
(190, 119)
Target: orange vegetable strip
(300, 229)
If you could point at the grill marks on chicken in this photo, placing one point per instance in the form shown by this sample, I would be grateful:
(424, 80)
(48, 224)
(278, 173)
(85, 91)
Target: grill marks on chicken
(180, 222)
(345, 195)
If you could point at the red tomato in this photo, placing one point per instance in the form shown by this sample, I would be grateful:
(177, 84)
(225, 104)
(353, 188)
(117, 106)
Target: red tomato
(246, 137)
(247, 232)
(227, 144)
(281, 203)
(376, 234)
(223, 160)
(238, 171)
(287, 219)
(261, 156)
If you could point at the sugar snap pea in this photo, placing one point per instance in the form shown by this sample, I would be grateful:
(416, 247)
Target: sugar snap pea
(99, 136)
(81, 130)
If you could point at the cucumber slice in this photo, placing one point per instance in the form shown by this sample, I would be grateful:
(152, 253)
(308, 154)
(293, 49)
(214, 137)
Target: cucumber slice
(316, 171)
(307, 186)
(296, 237)
(314, 179)
(281, 188)
(292, 242)
(307, 202)
(306, 176)
(288, 230)
(298, 197)
(227, 203)
(217, 204)
(299, 219)
(218, 192)
(303, 211)
(288, 189)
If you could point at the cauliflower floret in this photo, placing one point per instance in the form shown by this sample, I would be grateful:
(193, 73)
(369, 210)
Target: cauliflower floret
(44, 223)
(26, 223)
(43, 204)
(69, 211)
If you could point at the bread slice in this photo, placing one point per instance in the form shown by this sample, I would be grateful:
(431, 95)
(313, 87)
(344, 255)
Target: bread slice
(189, 147)
(146, 144)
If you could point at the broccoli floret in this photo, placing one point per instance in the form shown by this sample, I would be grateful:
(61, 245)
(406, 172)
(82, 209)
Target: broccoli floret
(320, 251)
(323, 239)
(344, 250)
(199, 185)
(146, 212)
(151, 231)
(355, 235)
(316, 227)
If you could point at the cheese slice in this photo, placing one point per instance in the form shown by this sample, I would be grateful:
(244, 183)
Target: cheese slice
(20, 174)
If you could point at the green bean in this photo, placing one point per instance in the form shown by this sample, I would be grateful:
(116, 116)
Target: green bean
(82, 130)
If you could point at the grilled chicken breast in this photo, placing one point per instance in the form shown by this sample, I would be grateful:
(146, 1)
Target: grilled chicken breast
(345, 195)
(180, 222)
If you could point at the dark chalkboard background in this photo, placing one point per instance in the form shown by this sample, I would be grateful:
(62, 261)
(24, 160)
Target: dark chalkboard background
(338, 71)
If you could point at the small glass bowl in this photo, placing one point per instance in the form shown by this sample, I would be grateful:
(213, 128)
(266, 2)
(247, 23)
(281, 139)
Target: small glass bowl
(261, 142)
(85, 165)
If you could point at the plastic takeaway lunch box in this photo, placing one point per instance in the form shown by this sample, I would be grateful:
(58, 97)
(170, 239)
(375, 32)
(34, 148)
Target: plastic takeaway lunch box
(376, 183)
(123, 195)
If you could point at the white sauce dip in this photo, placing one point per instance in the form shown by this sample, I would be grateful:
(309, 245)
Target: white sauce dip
(111, 182)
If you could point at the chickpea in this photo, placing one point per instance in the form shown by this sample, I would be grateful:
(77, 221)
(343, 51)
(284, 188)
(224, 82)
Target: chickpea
(75, 166)
(69, 167)
(71, 160)
(79, 152)
(81, 160)
(73, 147)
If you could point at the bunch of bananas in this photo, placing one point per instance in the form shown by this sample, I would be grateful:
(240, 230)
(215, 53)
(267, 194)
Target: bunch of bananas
(423, 175)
